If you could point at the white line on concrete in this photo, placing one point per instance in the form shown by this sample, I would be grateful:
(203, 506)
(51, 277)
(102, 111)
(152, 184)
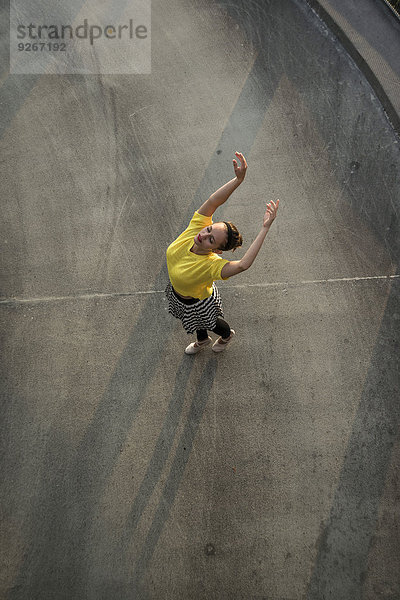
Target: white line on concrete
(309, 281)
(139, 109)
(100, 295)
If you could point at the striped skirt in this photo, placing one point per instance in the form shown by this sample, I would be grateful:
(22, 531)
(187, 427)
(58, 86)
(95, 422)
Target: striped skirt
(202, 314)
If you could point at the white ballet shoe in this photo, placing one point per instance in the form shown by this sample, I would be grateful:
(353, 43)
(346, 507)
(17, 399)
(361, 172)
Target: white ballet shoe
(195, 347)
(221, 344)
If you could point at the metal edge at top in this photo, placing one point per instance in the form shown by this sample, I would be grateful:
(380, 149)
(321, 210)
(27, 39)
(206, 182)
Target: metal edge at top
(392, 8)
(391, 113)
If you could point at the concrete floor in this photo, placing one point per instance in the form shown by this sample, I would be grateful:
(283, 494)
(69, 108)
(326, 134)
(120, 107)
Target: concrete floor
(133, 471)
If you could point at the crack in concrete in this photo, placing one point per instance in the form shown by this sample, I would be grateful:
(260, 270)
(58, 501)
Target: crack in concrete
(100, 295)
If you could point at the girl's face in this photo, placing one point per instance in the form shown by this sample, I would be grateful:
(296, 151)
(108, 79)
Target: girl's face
(210, 238)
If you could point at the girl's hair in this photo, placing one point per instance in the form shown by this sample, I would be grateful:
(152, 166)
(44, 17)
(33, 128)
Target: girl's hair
(234, 237)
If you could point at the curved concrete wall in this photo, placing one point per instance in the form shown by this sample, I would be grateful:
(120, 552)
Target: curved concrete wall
(363, 148)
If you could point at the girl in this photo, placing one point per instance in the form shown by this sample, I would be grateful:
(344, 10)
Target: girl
(194, 263)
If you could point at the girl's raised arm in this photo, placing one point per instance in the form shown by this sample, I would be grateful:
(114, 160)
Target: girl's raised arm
(222, 194)
(235, 267)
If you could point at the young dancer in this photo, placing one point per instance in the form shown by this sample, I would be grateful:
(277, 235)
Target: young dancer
(194, 263)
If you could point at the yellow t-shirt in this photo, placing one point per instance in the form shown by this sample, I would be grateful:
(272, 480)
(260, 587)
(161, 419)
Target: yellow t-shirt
(193, 274)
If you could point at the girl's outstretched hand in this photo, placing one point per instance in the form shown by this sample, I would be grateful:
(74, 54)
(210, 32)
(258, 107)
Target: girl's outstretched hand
(240, 172)
(270, 213)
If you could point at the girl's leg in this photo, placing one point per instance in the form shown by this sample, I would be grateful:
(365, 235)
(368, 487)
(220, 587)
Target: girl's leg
(222, 328)
(201, 335)
(226, 334)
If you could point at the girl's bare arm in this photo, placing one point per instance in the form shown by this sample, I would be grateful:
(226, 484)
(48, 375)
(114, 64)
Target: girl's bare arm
(222, 194)
(238, 266)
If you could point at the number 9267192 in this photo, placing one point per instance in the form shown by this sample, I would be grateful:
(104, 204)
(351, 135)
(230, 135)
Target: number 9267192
(39, 47)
